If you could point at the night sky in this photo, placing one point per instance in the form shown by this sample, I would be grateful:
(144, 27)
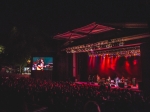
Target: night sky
(59, 16)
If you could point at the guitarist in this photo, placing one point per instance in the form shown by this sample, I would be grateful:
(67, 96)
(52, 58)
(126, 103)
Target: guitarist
(40, 65)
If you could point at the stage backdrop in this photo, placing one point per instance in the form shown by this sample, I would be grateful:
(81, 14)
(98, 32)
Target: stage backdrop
(129, 67)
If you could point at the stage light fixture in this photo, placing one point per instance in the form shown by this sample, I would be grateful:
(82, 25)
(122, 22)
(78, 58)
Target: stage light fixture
(126, 52)
(121, 43)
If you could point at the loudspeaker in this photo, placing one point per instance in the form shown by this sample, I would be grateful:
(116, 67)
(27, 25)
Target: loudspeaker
(112, 85)
(140, 85)
(121, 85)
(129, 87)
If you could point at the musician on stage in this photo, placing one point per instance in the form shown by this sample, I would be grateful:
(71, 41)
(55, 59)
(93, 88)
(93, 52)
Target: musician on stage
(89, 78)
(98, 79)
(117, 80)
(122, 79)
(108, 82)
(109, 79)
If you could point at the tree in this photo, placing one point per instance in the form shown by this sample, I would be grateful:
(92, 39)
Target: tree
(2, 49)
(23, 42)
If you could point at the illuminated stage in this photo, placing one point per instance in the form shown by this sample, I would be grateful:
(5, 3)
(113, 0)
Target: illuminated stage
(131, 87)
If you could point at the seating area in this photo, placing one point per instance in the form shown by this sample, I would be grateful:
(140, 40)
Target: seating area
(31, 95)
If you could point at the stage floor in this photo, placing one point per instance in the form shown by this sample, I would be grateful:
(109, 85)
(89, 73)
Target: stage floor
(131, 87)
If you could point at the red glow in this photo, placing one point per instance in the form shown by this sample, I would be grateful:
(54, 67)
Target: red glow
(85, 29)
(112, 66)
(103, 63)
(92, 28)
(93, 62)
(90, 60)
(128, 67)
(107, 61)
(127, 64)
(113, 62)
(134, 62)
(69, 35)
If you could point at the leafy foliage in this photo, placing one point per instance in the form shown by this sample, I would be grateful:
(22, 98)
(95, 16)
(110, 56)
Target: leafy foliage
(23, 42)
(2, 49)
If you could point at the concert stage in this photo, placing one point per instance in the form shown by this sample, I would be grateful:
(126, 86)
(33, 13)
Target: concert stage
(131, 87)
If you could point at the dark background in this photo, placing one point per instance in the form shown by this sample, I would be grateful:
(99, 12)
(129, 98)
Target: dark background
(56, 16)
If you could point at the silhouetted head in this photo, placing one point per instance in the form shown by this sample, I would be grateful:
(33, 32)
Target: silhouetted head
(91, 106)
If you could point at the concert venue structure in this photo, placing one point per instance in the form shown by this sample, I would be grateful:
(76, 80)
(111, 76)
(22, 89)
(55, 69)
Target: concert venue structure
(108, 49)
(98, 66)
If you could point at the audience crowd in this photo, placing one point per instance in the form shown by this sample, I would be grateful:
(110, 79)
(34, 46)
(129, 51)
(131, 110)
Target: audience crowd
(21, 95)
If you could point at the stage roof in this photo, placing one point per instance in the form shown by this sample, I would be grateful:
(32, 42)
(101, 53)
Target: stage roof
(84, 31)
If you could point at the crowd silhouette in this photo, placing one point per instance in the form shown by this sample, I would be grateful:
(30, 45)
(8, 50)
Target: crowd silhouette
(28, 94)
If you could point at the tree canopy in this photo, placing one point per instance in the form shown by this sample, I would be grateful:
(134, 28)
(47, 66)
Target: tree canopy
(22, 42)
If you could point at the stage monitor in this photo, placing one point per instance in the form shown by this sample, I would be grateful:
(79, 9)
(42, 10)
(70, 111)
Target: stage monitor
(42, 64)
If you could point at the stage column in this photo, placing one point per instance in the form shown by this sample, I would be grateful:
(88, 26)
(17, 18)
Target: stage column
(74, 66)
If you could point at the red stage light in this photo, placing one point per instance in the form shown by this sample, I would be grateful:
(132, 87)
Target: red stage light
(134, 62)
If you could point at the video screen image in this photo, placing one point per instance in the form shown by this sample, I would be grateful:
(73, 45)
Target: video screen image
(42, 63)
